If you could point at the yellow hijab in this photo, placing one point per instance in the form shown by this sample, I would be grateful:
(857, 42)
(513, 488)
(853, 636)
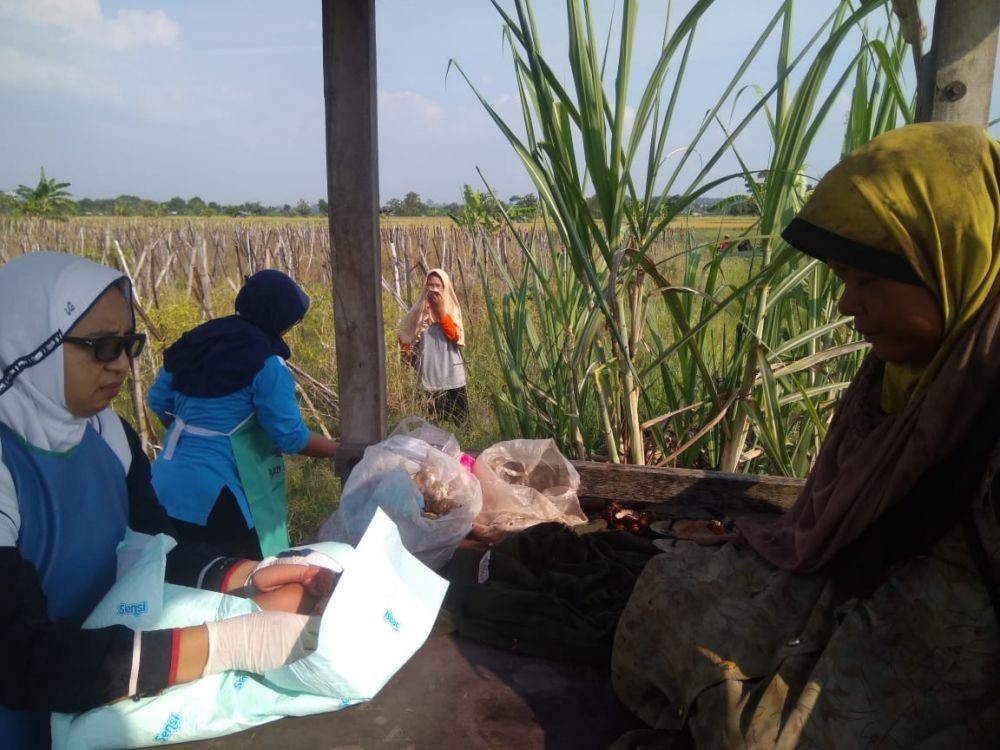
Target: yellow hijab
(926, 194)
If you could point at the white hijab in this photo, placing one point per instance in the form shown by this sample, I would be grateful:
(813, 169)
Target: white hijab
(41, 296)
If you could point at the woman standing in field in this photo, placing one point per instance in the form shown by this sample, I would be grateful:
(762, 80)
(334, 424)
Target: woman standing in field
(73, 479)
(431, 338)
(229, 402)
(868, 614)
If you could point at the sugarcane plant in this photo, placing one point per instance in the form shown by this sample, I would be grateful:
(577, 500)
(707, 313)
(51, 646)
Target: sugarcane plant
(637, 340)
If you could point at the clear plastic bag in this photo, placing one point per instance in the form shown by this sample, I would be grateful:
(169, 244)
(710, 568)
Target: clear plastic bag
(420, 428)
(525, 482)
(421, 485)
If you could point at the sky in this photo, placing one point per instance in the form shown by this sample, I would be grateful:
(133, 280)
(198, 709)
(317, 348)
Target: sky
(223, 99)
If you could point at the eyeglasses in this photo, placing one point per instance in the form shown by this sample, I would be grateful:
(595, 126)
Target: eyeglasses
(110, 348)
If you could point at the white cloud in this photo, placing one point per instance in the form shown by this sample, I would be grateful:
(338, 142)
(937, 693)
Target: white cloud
(140, 28)
(416, 110)
(85, 20)
(38, 74)
(64, 14)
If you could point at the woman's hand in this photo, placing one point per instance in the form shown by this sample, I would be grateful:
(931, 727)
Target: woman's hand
(436, 302)
(260, 641)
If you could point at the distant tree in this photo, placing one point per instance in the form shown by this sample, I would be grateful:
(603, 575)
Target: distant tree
(131, 205)
(410, 205)
(322, 206)
(247, 209)
(413, 205)
(478, 211)
(523, 207)
(8, 204)
(302, 208)
(177, 205)
(196, 206)
(49, 199)
(668, 206)
(736, 205)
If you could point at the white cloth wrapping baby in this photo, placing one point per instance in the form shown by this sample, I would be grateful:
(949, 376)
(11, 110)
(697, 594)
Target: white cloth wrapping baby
(381, 611)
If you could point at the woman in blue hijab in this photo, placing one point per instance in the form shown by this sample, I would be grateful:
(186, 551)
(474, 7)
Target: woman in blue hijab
(229, 402)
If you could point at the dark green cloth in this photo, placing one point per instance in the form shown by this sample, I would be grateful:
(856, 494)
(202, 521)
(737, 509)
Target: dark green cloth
(549, 591)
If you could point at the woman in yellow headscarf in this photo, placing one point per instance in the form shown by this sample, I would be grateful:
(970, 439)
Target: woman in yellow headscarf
(868, 614)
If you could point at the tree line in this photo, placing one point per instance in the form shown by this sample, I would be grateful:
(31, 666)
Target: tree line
(52, 199)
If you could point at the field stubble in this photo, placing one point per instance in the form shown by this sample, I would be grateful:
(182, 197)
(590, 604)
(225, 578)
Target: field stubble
(185, 271)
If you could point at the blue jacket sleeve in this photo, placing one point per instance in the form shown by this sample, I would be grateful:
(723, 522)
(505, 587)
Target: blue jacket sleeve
(161, 395)
(277, 408)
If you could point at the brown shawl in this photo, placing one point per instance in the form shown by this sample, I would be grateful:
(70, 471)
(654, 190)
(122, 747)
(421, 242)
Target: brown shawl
(923, 202)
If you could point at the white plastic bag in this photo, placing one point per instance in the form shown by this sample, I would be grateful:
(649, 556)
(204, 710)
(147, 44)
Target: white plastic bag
(420, 428)
(525, 482)
(430, 496)
(381, 612)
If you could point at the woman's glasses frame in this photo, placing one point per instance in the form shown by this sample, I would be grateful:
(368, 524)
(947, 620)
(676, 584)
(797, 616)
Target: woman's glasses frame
(109, 348)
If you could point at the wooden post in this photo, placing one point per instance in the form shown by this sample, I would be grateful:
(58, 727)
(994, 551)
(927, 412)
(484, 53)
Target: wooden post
(958, 71)
(349, 85)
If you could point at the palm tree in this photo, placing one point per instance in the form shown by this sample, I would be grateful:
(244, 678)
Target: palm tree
(49, 199)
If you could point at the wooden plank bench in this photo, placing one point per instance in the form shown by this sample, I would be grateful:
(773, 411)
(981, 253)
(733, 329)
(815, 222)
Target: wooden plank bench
(456, 694)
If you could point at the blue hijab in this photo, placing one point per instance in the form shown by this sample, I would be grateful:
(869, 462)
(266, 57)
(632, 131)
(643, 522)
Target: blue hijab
(224, 355)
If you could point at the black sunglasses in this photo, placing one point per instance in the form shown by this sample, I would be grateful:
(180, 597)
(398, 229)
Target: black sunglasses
(109, 348)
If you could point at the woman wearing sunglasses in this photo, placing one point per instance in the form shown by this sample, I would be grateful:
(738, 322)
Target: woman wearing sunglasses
(229, 401)
(72, 478)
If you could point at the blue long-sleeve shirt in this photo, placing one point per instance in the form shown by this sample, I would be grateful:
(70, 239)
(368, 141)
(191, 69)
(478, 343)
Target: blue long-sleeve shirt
(189, 483)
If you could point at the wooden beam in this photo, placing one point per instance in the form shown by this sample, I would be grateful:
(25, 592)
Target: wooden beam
(349, 87)
(683, 492)
(958, 71)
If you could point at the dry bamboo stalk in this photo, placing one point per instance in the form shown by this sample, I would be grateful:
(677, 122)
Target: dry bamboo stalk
(329, 394)
(217, 245)
(407, 268)
(125, 270)
(312, 248)
(137, 273)
(150, 280)
(141, 419)
(395, 270)
(191, 272)
(204, 280)
(316, 415)
(166, 266)
(239, 258)
(395, 295)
